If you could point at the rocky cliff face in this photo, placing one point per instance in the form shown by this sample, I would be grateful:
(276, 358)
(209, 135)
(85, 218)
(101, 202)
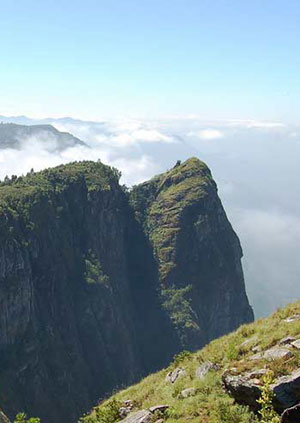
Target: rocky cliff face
(97, 289)
(198, 253)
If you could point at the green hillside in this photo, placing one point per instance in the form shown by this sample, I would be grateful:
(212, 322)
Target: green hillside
(267, 344)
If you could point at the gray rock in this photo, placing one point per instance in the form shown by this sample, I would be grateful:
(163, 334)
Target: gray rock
(244, 390)
(286, 340)
(159, 421)
(296, 344)
(175, 374)
(292, 318)
(141, 416)
(256, 349)
(202, 370)
(249, 341)
(273, 353)
(161, 407)
(123, 412)
(257, 373)
(287, 390)
(188, 392)
(291, 415)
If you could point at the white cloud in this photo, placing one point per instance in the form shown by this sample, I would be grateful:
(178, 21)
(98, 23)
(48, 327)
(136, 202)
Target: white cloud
(207, 134)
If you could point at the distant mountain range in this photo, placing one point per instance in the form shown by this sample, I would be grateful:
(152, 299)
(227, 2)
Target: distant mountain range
(16, 136)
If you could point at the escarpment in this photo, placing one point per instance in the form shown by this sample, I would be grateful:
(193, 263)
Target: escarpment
(198, 253)
(99, 287)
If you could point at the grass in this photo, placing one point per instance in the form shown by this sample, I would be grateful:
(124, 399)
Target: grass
(211, 404)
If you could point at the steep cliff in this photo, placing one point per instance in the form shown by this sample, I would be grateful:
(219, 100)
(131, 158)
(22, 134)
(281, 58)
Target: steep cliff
(198, 253)
(98, 289)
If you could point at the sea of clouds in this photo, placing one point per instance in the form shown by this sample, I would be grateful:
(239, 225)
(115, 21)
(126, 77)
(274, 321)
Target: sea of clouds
(255, 164)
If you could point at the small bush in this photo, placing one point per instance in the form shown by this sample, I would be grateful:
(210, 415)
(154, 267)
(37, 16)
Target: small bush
(267, 412)
(178, 358)
(108, 413)
(22, 418)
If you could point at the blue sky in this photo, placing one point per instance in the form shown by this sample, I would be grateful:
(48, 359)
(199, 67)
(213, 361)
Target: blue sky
(93, 59)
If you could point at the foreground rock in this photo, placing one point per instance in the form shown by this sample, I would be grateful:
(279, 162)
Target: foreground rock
(202, 370)
(244, 390)
(141, 416)
(188, 392)
(291, 415)
(287, 390)
(273, 353)
(175, 374)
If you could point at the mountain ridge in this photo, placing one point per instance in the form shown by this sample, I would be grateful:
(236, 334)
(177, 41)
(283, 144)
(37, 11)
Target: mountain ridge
(80, 283)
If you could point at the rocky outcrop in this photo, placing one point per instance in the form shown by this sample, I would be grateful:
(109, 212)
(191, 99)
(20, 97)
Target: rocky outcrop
(246, 388)
(97, 291)
(198, 253)
(291, 415)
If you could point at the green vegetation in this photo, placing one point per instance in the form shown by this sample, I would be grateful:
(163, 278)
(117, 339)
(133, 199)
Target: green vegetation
(210, 403)
(22, 418)
(18, 194)
(159, 205)
(94, 272)
(267, 412)
(177, 302)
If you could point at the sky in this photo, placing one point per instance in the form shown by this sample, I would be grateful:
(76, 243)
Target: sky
(95, 59)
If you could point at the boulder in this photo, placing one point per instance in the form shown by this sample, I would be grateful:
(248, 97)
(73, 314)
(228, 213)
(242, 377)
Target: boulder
(287, 340)
(292, 318)
(202, 370)
(287, 390)
(251, 340)
(273, 353)
(188, 392)
(141, 416)
(291, 415)
(243, 389)
(296, 344)
(162, 408)
(175, 374)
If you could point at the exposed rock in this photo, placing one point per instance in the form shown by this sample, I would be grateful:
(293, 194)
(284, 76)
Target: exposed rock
(292, 319)
(141, 416)
(291, 415)
(249, 341)
(3, 418)
(256, 349)
(256, 374)
(244, 390)
(123, 412)
(188, 392)
(159, 421)
(273, 353)
(287, 390)
(202, 370)
(296, 344)
(161, 407)
(175, 374)
(286, 340)
(126, 409)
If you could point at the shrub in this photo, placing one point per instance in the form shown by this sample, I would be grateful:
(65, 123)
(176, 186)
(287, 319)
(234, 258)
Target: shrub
(109, 412)
(267, 412)
(22, 418)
